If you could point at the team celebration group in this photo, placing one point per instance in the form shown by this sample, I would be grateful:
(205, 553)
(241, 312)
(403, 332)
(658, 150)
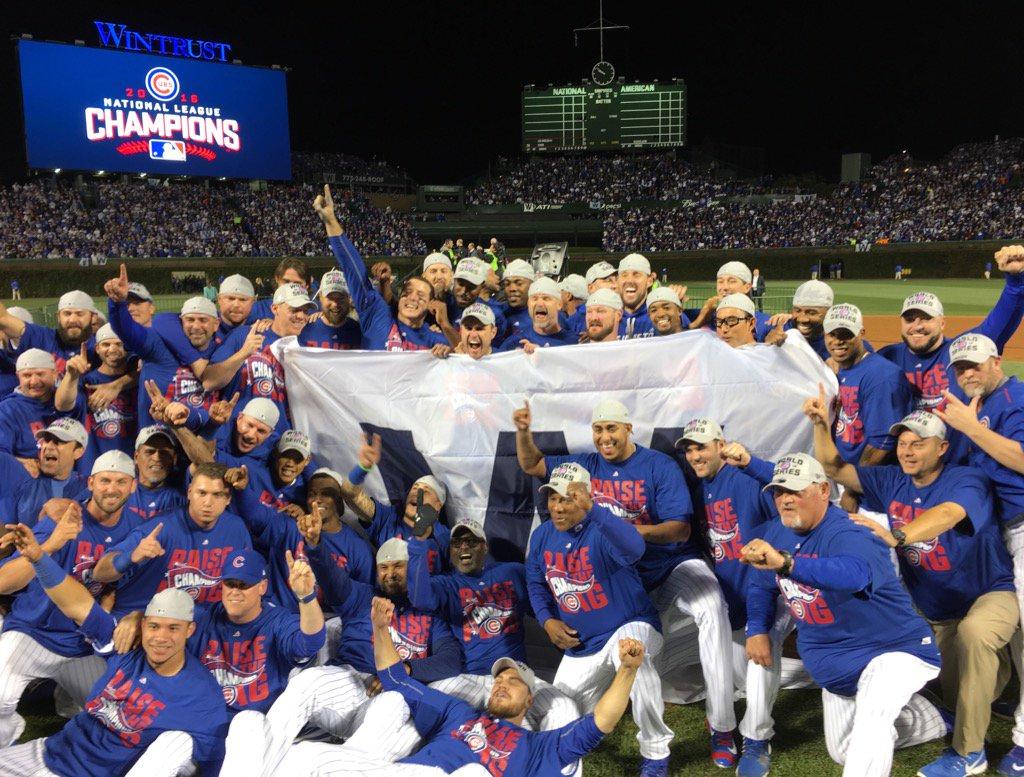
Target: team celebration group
(206, 597)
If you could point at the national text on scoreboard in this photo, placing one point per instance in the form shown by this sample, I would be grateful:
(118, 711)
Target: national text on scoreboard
(617, 116)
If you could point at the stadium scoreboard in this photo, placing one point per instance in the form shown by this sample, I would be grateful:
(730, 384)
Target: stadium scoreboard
(617, 116)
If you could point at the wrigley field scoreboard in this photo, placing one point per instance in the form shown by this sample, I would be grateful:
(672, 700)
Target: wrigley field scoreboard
(594, 118)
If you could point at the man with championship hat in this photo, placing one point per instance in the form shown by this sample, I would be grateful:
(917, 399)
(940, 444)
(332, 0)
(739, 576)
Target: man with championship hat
(158, 488)
(478, 329)
(289, 270)
(74, 327)
(335, 328)
(732, 278)
(603, 316)
(470, 281)
(544, 302)
(31, 407)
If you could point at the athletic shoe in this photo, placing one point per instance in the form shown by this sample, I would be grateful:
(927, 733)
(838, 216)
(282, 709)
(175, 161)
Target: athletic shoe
(756, 759)
(723, 749)
(1012, 764)
(654, 767)
(952, 764)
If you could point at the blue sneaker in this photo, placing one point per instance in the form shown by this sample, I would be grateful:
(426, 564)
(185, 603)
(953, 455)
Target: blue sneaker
(1012, 764)
(756, 759)
(723, 749)
(952, 764)
(654, 767)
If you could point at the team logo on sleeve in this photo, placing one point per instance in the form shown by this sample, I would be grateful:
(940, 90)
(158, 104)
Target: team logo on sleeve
(491, 742)
(806, 603)
(724, 529)
(849, 424)
(929, 555)
(125, 709)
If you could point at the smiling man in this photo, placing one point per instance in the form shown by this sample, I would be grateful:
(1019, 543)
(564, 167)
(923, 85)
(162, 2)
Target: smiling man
(31, 407)
(666, 312)
(74, 327)
(544, 302)
(335, 329)
(603, 316)
(156, 457)
(477, 330)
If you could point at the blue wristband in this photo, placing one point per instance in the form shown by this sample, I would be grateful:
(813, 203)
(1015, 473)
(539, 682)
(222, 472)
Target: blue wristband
(48, 572)
(357, 475)
(122, 561)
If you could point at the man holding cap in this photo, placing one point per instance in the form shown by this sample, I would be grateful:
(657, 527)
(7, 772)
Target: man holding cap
(31, 407)
(857, 631)
(603, 314)
(38, 641)
(155, 707)
(334, 329)
(635, 280)
(156, 457)
(515, 282)
(587, 594)
(477, 330)
(872, 395)
(544, 303)
(74, 327)
(666, 312)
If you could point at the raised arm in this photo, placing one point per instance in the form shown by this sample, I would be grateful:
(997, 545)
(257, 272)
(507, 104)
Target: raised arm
(70, 596)
(1005, 317)
(361, 503)
(115, 562)
(612, 705)
(16, 573)
(964, 418)
(825, 451)
(531, 459)
(12, 326)
(384, 653)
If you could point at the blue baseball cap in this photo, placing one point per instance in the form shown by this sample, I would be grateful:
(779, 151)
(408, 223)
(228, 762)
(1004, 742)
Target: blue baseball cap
(245, 565)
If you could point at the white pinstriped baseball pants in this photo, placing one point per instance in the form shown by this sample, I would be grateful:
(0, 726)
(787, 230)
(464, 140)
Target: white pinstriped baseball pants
(170, 755)
(1014, 539)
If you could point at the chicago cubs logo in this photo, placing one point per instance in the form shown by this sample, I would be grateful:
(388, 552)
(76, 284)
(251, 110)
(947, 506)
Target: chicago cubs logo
(489, 619)
(238, 562)
(162, 83)
(491, 742)
(231, 680)
(805, 602)
(569, 593)
(190, 580)
(620, 511)
(407, 648)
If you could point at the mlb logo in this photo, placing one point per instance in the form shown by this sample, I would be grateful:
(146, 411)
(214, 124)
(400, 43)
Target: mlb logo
(167, 150)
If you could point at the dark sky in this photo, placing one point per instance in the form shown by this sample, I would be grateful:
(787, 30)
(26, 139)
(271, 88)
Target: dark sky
(435, 86)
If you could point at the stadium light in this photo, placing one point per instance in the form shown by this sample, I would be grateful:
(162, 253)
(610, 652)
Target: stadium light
(56, 169)
(26, 36)
(79, 42)
(100, 172)
(142, 175)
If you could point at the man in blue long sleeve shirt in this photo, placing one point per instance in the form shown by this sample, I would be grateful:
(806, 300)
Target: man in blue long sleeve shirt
(74, 327)
(31, 408)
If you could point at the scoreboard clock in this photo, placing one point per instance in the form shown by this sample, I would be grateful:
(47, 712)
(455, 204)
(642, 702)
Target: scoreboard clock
(603, 73)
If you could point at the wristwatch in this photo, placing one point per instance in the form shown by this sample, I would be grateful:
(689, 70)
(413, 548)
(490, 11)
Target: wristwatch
(900, 536)
(307, 598)
(787, 564)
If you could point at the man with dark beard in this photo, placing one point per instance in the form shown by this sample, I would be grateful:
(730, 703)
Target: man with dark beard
(334, 329)
(74, 327)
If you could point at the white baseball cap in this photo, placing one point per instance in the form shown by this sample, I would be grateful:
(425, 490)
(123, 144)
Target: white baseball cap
(172, 603)
(471, 526)
(545, 285)
(664, 294)
(702, 430)
(813, 294)
(564, 475)
(66, 430)
(636, 262)
(35, 359)
(481, 312)
(395, 549)
(604, 298)
(472, 270)
(924, 301)
(525, 673)
(736, 270)
(21, 314)
(972, 347)
(333, 281)
(293, 295)
(519, 268)
(610, 410)
(140, 291)
(114, 461)
(434, 485)
(263, 410)
(75, 300)
(600, 270)
(200, 306)
(738, 302)
(575, 285)
(106, 332)
(238, 285)
(147, 433)
(922, 423)
(327, 472)
(294, 440)
(796, 471)
(437, 258)
(844, 316)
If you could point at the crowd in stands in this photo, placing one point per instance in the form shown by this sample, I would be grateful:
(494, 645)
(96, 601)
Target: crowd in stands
(312, 166)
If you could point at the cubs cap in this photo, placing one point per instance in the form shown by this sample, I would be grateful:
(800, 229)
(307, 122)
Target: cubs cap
(199, 306)
(139, 291)
(518, 268)
(525, 673)
(701, 430)
(106, 332)
(472, 270)
(844, 316)
(436, 258)
(75, 300)
(545, 285)
(564, 475)
(67, 430)
(35, 359)
(636, 262)
(664, 294)
(21, 314)
(971, 347)
(263, 410)
(922, 423)
(294, 440)
(147, 433)
(114, 461)
(171, 603)
(610, 410)
(333, 281)
(604, 298)
(468, 524)
(481, 312)
(736, 270)
(238, 285)
(737, 302)
(293, 295)
(924, 301)
(796, 471)
(246, 565)
(575, 285)
(600, 270)
(813, 294)
(327, 472)
(395, 549)
(434, 485)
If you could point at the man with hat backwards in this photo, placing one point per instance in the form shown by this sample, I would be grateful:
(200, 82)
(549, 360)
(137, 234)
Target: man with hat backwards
(155, 707)
(31, 407)
(734, 320)
(437, 270)
(587, 593)
(234, 300)
(574, 294)
(635, 281)
(811, 302)
(857, 631)
(74, 327)
(603, 316)
(732, 278)
(646, 488)
(157, 488)
(38, 641)
(334, 329)
(8, 354)
(478, 329)
(544, 302)
(515, 282)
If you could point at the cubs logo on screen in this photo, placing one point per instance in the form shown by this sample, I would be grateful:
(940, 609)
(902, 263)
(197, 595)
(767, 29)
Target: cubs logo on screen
(160, 118)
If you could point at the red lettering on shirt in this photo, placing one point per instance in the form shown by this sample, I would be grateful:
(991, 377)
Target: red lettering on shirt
(930, 555)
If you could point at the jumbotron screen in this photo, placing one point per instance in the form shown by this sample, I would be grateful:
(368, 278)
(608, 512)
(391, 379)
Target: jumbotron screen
(93, 109)
(582, 118)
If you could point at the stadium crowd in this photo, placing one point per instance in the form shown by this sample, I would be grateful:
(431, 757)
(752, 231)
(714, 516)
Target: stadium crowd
(180, 566)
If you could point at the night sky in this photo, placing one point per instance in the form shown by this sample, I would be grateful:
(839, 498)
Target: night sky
(435, 86)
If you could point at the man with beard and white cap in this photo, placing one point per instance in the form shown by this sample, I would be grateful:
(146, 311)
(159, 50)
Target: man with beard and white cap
(603, 316)
(732, 278)
(665, 309)
(31, 406)
(635, 281)
(811, 302)
(9, 354)
(335, 328)
(38, 641)
(544, 303)
(515, 282)
(74, 327)
(477, 330)
(235, 299)
(437, 270)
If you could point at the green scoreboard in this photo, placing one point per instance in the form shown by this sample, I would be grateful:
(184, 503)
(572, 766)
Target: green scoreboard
(620, 115)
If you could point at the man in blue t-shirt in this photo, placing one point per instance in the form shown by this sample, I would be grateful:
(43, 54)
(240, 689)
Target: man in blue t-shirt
(31, 407)
(544, 302)
(74, 327)
(335, 328)
(635, 281)
(603, 316)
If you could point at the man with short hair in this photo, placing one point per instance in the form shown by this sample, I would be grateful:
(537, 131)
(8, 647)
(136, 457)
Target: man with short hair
(289, 270)
(603, 316)
(635, 279)
(515, 282)
(666, 312)
(544, 303)
(467, 289)
(477, 330)
(156, 457)
(335, 328)
(74, 320)
(31, 407)
(140, 304)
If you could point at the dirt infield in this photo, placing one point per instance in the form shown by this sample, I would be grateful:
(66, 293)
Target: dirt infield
(883, 330)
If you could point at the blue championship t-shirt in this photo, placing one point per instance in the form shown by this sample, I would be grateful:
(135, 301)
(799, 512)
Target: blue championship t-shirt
(873, 395)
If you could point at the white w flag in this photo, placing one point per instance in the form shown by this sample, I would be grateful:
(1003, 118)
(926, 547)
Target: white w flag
(452, 418)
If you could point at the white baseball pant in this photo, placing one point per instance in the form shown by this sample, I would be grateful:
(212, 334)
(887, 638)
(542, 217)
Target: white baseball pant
(1014, 538)
(586, 678)
(887, 712)
(170, 755)
(22, 660)
(693, 589)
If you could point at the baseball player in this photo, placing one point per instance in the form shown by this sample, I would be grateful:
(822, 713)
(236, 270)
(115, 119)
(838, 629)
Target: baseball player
(811, 302)
(857, 631)
(635, 280)
(544, 303)
(291, 269)
(732, 278)
(646, 488)
(574, 294)
(335, 328)
(437, 270)
(470, 283)
(31, 406)
(235, 299)
(156, 457)
(603, 316)
(584, 586)
(666, 311)
(156, 699)
(477, 330)
(74, 316)
(601, 275)
(516, 282)
(734, 320)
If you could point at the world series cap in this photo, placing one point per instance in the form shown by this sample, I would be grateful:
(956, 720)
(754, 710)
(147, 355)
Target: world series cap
(972, 347)
(333, 281)
(922, 423)
(294, 440)
(139, 291)
(468, 524)
(796, 471)
(472, 270)
(66, 430)
(564, 475)
(600, 270)
(481, 312)
(924, 301)
(147, 433)
(700, 430)
(293, 295)
(844, 316)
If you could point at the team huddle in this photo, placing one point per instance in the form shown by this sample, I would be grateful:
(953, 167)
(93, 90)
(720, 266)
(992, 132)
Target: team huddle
(203, 594)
